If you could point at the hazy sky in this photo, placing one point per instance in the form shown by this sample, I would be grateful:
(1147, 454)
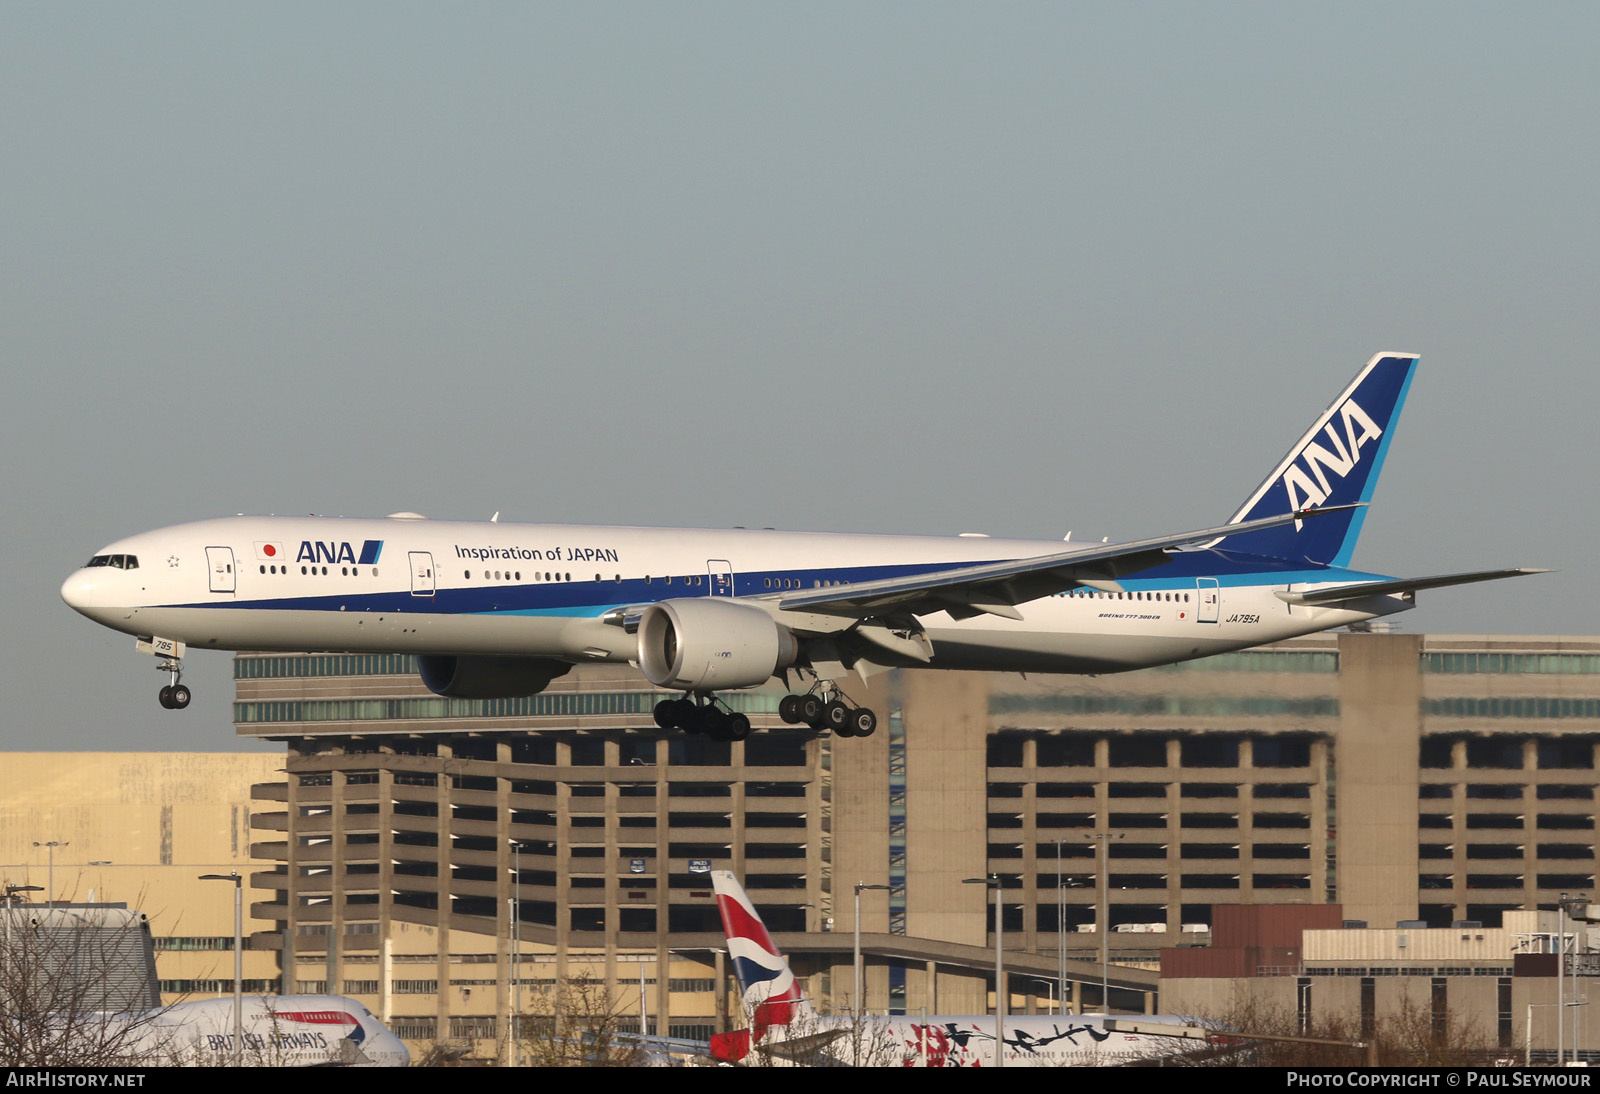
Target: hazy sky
(874, 267)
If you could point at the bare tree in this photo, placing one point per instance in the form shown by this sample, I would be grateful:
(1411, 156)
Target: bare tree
(77, 986)
(1412, 1035)
(809, 1039)
(578, 1023)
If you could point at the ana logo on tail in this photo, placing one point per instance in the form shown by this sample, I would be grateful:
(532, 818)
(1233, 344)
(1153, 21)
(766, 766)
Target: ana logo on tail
(1334, 463)
(1298, 480)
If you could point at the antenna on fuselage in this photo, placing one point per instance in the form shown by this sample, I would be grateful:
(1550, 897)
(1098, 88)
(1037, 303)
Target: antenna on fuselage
(496, 518)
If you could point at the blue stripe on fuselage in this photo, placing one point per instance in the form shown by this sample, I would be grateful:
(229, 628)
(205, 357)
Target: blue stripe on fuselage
(585, 598)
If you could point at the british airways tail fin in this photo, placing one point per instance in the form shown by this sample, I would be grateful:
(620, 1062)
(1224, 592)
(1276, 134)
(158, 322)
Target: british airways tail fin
(771, 993)
(1336, 463)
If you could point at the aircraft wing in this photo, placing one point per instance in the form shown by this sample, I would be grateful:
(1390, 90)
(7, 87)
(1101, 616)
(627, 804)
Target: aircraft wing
(1338, 593)
(996, 588)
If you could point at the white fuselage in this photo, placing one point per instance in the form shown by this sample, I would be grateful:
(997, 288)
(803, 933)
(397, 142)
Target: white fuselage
(421, 586)
(277, 1031)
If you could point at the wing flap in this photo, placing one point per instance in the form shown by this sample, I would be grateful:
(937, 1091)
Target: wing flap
(1338, 593)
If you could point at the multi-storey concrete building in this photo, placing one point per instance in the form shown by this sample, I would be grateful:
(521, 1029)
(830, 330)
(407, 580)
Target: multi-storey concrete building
(1441, 779)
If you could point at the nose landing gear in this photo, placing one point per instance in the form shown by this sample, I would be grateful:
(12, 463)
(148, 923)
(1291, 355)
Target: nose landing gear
(174, 696)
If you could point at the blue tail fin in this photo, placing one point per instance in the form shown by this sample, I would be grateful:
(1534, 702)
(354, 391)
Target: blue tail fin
(1335, 463)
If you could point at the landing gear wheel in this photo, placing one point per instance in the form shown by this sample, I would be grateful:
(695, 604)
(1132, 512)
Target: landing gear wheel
(690, 718)
(836, 716)
(789, 710)
(174, 696)
(863, 723)
(738, 727)
(666, 714)
(715, 723)
(811, 711)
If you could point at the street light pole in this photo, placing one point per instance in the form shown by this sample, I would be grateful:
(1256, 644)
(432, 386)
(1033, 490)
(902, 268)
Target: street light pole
(515, 1017)
(238, 958)
(1103, 913)
(857, 1002)
(1061, 933)
(1561, 963)
(11, 900)
(50, 883)
(1575, 907)
(993, 882)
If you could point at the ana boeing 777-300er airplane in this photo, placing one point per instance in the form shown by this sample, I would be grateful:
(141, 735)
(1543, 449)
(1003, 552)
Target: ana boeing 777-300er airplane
(498, 610)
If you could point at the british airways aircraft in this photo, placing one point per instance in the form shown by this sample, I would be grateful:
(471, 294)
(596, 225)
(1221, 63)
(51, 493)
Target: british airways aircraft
(783, 1026)
(498, 610)
(278, 1031)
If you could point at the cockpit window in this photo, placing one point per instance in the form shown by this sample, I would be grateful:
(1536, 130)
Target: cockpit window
(120, 562)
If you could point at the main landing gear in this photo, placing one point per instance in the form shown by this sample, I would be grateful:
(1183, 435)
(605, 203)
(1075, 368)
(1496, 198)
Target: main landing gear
(701, 714)
(831, 713)
(174, 696)
(819, 709)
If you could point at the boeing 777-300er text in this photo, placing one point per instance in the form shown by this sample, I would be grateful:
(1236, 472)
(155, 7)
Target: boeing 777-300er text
(500, 610)
(782, 1025)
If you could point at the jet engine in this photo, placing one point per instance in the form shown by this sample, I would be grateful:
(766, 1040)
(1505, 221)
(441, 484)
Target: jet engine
(485, 677)
(708, 645)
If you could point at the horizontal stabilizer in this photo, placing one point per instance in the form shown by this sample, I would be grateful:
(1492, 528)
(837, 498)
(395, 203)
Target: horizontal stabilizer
(806, 1047)
(1338, 593)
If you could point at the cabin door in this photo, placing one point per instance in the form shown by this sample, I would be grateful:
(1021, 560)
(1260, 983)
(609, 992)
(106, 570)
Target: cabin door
(219, 561)
(421, 573)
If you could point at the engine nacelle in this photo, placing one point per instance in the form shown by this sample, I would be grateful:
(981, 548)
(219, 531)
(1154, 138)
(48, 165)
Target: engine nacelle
(707, 644)
(484, 677)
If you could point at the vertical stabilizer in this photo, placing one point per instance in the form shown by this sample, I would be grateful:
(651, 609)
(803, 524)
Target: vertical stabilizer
(1336, 463)
(772, 995)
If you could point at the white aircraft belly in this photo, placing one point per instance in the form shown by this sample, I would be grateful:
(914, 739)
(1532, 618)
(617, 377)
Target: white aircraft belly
(363, 632)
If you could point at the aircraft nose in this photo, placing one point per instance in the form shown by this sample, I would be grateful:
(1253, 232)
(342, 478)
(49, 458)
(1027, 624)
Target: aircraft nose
(78, 591)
